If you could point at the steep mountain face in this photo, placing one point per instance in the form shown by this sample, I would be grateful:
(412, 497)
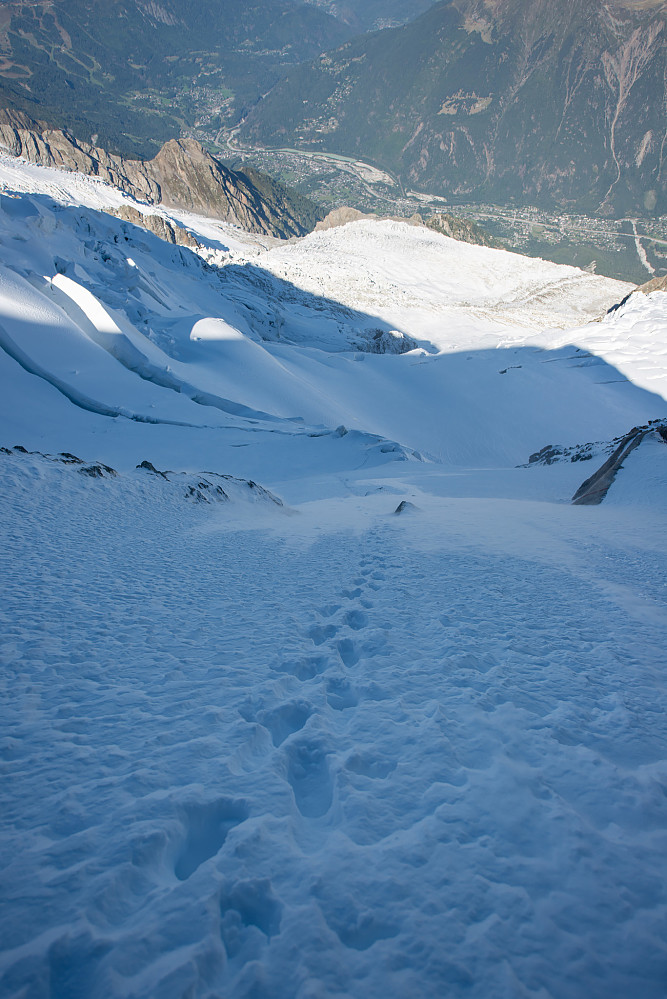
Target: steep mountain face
(182, 175)
(553, 104)
(134, 72)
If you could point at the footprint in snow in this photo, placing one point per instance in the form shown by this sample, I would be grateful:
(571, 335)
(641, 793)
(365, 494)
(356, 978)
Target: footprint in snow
(206, 827)
(320, 633)
(285, 720)
(251, 903)
(329, 610)
(347, 651)
(341, 694)
(308, 774)
(303, 667)
(363, 931)
(368, 765)
(356, 619)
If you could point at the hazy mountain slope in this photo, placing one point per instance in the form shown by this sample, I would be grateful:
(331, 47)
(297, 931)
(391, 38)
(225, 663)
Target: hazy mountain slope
(366, 15)
(550, 104)
(134, 73)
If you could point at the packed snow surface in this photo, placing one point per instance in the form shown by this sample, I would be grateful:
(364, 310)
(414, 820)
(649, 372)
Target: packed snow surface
(318, 748)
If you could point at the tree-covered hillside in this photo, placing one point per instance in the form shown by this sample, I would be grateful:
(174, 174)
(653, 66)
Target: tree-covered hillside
(551, 104)
(135, 72)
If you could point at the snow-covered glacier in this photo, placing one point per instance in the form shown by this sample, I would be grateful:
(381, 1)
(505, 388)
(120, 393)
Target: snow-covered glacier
(262, 734)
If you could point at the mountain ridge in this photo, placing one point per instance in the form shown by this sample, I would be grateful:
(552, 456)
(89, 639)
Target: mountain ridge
(182, 175)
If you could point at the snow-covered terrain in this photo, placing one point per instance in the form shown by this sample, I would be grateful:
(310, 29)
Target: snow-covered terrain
(263, 736)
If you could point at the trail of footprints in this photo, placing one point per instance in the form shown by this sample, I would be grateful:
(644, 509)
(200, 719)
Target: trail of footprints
(331, 651)
(343, 635)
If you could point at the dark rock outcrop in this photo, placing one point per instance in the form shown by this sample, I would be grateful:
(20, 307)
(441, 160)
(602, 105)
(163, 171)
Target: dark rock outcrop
(159, 226)
(97, 470)
(594, 489)
(405, 506)
(201, 488)
(465, 230)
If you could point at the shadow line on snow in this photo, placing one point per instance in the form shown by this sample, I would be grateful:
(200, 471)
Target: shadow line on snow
(264, 307)
(270, 310)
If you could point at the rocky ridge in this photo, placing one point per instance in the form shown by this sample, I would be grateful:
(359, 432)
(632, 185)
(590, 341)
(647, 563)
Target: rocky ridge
(206, 487)
(344, 214)
(182, 175)
(655, 284)
(161, 227)
(462, 229)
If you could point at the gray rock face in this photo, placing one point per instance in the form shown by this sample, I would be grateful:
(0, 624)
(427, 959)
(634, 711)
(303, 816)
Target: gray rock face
(20, 136)
(405, 506)
(341, 216)
(182, 175)
(461, 229)
(594, 489)
(345, 214)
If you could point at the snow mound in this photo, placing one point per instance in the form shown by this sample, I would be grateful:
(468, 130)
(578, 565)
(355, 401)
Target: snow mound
(216, 329)
(206, 487)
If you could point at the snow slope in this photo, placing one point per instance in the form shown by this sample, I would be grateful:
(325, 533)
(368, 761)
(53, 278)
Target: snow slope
(440, 287)
(322, 749)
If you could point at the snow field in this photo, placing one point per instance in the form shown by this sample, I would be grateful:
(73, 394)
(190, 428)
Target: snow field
(90, 302)
(323, 750)
(385, 761)
(365, 264)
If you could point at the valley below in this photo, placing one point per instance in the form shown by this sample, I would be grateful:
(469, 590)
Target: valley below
(630, 249)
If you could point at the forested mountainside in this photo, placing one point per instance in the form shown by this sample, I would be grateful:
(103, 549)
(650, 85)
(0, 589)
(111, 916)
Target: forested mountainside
(135, 72)
(551, 104)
